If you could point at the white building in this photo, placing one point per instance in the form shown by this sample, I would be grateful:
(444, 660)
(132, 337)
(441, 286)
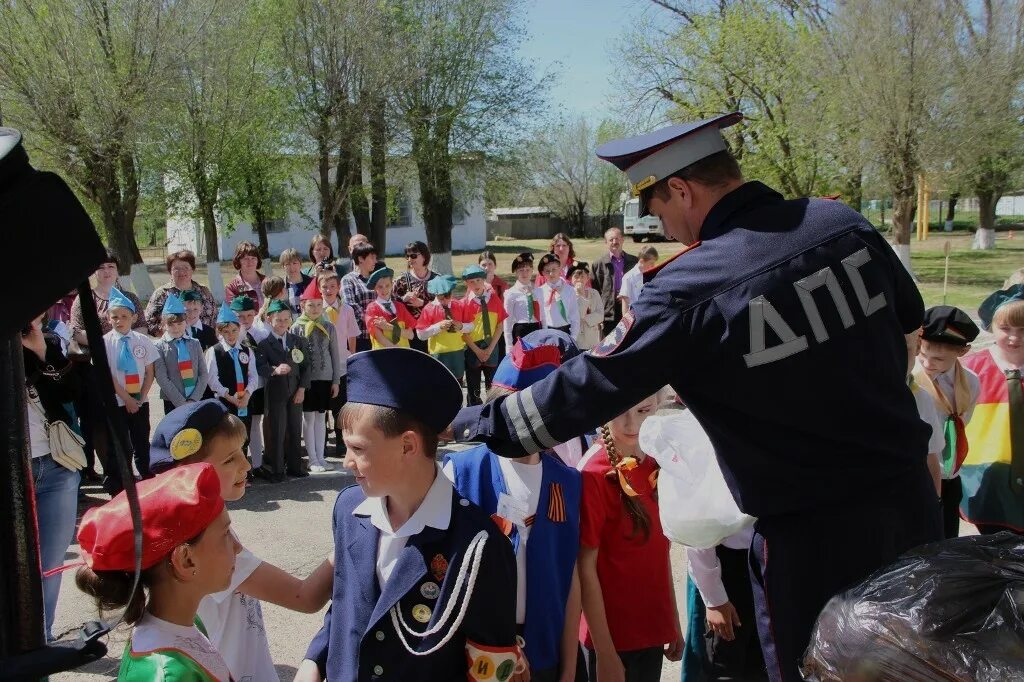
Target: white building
(469, 229)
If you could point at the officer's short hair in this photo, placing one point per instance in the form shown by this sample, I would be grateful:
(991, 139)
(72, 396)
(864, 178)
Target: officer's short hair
(392, 423)
(716, 170)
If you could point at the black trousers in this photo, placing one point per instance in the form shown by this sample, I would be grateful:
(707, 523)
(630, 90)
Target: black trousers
(138, 432)
(473, 377)
(800, 561)
(642, 665)
(282, 433)
(363, 343)
(740, 659)
(952, 493)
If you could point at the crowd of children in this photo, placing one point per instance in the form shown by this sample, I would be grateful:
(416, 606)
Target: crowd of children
(483, 566)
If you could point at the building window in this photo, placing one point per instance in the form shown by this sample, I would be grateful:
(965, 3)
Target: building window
(277, 225)
(399, 212)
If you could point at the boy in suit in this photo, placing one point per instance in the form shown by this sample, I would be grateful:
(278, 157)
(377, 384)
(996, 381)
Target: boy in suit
(180, 368)
(282, 359)
(424, 583)
(194, 325)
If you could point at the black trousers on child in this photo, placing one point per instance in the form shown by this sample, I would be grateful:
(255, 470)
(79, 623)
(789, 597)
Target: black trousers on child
(642, 665)
(138, 433)
(473, 377)
(282, 432)
(952, 493)
(740, 659)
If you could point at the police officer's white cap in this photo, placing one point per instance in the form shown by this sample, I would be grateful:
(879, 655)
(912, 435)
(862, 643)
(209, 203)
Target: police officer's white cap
(646, 159)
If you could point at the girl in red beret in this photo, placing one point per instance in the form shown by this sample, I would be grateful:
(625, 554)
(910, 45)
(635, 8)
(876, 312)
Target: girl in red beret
(188, 552)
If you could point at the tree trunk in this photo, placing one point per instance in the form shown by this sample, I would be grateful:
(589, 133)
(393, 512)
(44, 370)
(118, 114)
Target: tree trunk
(378, 178)
(326, 195)
(985, 238)
(853, 190)
(904, 204)
(209, 231)
(434, 172)
(358, 201)
(951, 209)
(260, 218)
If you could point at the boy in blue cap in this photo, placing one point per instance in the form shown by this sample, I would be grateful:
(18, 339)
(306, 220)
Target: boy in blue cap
(536, 501)
(180, 369)
(232, 366)
(487, 311)
(442, 322)
(424, 581)
(131, 356)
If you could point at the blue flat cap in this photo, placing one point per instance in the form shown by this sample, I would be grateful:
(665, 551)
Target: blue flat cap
(646, 159)
(377, 275)
(397, 378)
(554, 337)
(473, 271)
(995, 301)
(441, 286)
(181, 432)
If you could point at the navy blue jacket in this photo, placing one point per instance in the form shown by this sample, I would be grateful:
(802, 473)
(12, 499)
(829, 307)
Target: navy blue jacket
(553, 545)
(358, 640)
(782, 329)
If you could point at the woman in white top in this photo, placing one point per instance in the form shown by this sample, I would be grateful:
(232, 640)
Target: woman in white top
(558, 301)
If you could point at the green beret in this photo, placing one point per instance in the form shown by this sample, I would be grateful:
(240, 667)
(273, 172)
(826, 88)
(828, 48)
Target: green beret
(278, 305)
(242, 303)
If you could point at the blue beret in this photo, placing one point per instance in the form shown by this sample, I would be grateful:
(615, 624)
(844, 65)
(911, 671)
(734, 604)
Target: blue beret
(554, 337)
(473, 271)
(180, 433)
(398, 378)
(119, 300)
(378, 275)
(441, 286)
(997, 300)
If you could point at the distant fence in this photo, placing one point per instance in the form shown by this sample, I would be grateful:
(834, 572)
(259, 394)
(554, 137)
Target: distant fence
(545, 228)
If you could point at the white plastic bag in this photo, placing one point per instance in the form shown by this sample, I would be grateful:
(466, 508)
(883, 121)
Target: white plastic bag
(697, 509)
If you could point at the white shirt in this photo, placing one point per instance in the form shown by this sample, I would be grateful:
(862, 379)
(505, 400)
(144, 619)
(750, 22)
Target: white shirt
(143, 350)
(523, 483)
(945, 382)
(435, 511)
(570, 452)
(551, 315)
(152, 633)
(632, 283)
(234, 622)
(38, 439)
(517, 307)
(248, 370)
(706, 571)
(347, 328)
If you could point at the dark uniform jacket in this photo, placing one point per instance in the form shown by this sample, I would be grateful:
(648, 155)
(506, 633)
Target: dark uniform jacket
(783, 330)
(358, 640)
(604, 281)
(270, 354)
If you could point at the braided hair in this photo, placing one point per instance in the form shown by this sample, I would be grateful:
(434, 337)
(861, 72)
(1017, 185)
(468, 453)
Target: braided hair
(641, 521)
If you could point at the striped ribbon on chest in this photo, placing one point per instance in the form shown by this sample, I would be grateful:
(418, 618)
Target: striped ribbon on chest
(126, 363)
(185, 369)
(239, 380)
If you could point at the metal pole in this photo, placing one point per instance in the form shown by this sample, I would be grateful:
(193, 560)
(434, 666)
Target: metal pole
(21, 606)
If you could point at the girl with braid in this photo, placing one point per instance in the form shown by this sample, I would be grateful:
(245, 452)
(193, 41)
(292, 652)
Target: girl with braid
(630, 620)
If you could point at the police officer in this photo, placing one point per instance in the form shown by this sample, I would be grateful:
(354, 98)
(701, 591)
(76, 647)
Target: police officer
(783, 325)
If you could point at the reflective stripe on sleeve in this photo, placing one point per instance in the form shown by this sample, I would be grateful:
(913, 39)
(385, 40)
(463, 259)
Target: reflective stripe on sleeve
(522, 430)
(536, 422)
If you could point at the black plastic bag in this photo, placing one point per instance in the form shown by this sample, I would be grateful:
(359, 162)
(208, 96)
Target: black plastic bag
(951, 610)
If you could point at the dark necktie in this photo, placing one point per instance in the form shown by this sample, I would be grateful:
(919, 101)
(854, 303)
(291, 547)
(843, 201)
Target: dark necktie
(1016, 402)
(486, 317)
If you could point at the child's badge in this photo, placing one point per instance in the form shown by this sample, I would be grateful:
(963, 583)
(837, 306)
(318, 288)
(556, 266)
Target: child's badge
(421, 612)
(297, 356)
(139, 352)
(430, 591)
(439, 566)
(243, 358)
(186, 443)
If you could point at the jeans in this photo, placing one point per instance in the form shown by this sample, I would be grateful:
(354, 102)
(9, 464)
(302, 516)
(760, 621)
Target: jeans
(56, 498)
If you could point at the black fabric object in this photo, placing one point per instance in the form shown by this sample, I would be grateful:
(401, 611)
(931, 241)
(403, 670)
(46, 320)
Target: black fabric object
(948, 610)
(42, 217)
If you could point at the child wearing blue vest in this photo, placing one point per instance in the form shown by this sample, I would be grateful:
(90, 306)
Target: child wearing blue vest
(232, 366)
(535, 500)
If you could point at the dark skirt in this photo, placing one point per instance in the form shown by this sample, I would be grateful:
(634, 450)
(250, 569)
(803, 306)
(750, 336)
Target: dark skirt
(338, 402)
(318, 397)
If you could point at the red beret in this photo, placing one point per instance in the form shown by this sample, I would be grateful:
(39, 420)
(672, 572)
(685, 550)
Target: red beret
(312, 292)
(176, 506)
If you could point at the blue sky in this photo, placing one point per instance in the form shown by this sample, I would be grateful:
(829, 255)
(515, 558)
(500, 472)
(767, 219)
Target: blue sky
(580, 35)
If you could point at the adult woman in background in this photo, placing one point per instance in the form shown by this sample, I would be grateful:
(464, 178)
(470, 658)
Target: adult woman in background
(51, 383)
(561, 246)
(249, 279)
(411, 287)
(181, 266)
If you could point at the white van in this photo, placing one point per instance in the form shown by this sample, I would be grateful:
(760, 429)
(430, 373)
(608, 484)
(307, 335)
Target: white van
(638, 228)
